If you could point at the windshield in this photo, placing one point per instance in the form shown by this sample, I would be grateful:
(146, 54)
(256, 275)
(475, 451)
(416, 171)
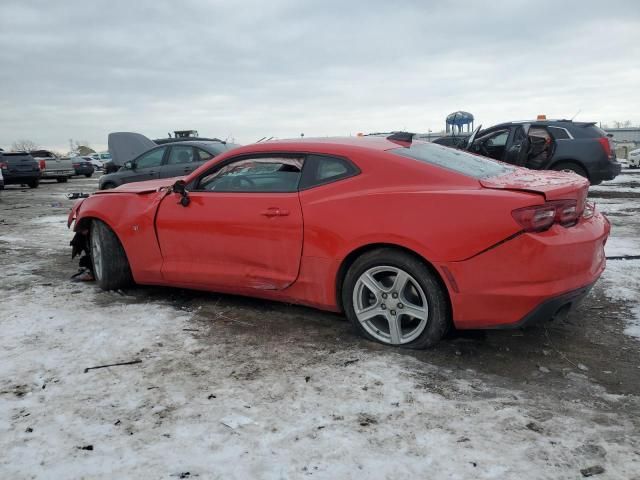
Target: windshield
(458, 161)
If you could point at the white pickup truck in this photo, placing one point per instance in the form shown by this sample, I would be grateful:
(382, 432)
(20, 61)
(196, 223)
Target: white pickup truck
(53, 167)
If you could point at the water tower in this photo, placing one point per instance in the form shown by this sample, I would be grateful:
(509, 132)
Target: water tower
(457, 121)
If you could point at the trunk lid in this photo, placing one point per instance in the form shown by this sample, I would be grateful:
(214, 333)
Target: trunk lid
(552, 185)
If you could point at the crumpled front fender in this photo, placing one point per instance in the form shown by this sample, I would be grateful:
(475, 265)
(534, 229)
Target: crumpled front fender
(73, 214)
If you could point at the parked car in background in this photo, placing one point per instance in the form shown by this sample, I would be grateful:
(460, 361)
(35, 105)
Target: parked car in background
(562, 145)
(81, 166)
(1, 180)
(19, 168)
(97, 164)
(52, 167)
(634, 158)
(407, 238)
(158, 161)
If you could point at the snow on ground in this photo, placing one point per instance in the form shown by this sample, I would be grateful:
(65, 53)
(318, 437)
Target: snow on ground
(622, 282)
(221, 410)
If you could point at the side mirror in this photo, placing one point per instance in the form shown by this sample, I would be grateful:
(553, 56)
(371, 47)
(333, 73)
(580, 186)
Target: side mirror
(180, 187)
(129, 166)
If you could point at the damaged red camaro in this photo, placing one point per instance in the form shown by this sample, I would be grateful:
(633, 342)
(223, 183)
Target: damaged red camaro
(406, 238)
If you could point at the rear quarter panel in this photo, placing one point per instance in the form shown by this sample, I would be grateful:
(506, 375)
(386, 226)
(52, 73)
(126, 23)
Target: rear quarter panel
(440, 215)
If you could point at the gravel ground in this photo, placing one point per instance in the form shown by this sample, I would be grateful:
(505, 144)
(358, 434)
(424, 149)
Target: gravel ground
(231, 387)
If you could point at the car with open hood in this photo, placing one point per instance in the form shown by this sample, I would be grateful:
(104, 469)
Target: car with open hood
(407, 238)
(140, 158)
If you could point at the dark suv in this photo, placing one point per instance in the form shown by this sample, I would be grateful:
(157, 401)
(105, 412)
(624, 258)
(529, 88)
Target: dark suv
(19, 168)
(580, 147)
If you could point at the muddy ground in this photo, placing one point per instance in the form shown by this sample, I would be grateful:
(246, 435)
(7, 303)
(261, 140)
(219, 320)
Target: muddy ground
(586, 360)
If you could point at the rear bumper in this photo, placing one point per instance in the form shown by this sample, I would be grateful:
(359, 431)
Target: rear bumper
(58, 173)
(607, 171)
(14, 178)
(529, 277)
(551, 309)
(83, 170)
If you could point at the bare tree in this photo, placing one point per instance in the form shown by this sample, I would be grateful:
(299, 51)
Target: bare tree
(24, 145)
(84, 150)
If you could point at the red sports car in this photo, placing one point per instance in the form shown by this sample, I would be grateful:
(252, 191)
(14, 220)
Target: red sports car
(406, 238)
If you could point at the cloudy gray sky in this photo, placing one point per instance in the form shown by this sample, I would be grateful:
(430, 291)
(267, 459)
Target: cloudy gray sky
(248, 69)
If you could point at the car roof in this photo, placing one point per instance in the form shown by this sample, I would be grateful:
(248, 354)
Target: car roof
(302, 144)
(552, 123)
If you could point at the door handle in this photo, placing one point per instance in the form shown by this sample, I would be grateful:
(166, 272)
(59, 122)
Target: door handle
(275, 212)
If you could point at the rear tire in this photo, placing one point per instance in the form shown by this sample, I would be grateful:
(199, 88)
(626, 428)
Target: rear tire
(62, 179)
(393, 298)
(33, 183)
(110, 265)
(570, 167)
(88, 175)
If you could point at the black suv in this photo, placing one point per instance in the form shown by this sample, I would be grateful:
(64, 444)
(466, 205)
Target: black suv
(19, 168)
(580, 147)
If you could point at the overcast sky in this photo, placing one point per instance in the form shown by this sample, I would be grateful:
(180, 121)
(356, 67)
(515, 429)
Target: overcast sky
(81, 69)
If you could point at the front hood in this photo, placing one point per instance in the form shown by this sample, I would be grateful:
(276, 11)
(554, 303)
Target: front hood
(553, 185)
(141, 187)
(125, 146)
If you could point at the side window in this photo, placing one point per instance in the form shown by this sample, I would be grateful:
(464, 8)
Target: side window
(559, 133)
(321, 169)
(180, 154)
(203, 156)
(255, 174)
(498, 140)
(151, 159)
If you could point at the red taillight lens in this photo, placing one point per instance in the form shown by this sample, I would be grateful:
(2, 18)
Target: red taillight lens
(3, 165)
(43, 164)
(606, 146)
(541, 217)
(567, 213)
(535, 219)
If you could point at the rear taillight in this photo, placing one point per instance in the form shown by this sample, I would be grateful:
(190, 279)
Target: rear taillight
(589, 210)
(42, 164)
(541, 217)
(3, 165)
(606, 146)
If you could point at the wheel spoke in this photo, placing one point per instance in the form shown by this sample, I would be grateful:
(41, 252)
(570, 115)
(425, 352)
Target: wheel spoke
(367, 314)
(372, 284)
(395, 329)
(400, 282)
(415, 311)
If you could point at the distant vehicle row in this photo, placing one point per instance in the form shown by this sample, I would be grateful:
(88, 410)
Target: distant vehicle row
(28, 168)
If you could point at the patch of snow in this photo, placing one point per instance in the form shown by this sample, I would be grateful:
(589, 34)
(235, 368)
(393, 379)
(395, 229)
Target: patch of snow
(622, 282)
(218, 409)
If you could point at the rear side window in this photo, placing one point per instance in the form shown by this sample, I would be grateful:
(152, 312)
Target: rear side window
(559, 133)
(322, 169)
(586, 130)
(458, 161)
